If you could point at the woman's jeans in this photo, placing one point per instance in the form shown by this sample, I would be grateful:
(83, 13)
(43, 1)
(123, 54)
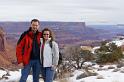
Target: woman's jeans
(35, 65)
(47, 73)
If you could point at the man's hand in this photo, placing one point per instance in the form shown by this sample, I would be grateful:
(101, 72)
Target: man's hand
(21, 65)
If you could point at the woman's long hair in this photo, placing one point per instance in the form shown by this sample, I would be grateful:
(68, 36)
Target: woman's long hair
(50, 34)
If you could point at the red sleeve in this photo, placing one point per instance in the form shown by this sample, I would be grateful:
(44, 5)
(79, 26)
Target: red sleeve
(19, 50)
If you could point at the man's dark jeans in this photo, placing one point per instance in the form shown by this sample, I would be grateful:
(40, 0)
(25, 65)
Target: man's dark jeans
(35, 65)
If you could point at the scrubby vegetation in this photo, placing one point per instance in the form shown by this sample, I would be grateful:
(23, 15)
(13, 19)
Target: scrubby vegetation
(108, 52)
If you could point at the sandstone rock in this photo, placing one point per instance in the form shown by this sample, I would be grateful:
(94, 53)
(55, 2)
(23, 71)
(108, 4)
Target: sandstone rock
(100, 77)
(122, 70)
(2, 40)
(115, 70)
(111, 67)
(86, 74)
(121, 64)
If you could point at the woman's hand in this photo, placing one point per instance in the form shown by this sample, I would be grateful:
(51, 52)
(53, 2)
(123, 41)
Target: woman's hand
(54, 67)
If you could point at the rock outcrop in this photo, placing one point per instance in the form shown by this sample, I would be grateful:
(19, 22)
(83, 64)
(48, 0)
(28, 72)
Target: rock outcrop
(2, 39)
(7, 51)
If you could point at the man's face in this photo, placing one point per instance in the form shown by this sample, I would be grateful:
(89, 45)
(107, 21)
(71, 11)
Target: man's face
(34, 26)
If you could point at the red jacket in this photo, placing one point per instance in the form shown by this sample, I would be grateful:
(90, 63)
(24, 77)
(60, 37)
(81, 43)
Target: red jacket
(24, 46)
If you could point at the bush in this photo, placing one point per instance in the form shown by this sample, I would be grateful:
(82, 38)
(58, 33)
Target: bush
(87, 55)
(108, 53)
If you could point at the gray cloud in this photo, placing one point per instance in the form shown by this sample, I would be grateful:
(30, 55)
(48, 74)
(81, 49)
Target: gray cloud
(63, 10)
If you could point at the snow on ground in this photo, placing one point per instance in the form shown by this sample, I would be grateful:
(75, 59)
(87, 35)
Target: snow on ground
(118, 42)
(108, 76)
(93, 50)
(2, 73)
(15, 76)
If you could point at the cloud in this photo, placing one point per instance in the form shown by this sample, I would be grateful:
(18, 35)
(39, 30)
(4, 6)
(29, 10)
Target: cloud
(63, 10)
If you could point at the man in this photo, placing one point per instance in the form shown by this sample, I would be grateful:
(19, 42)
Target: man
(28, 52)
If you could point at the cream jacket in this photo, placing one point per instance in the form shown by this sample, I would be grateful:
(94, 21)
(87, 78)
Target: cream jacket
(50, 55)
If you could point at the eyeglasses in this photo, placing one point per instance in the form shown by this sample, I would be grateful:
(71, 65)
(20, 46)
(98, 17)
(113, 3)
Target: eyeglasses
(45, 34)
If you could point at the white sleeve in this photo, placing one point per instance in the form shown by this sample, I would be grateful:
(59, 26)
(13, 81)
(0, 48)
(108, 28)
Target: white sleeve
(56, 53)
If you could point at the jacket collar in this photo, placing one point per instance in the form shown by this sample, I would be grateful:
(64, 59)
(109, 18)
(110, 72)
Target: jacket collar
(41, 39)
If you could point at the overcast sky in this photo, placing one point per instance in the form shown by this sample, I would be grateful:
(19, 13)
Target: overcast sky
(89, 11)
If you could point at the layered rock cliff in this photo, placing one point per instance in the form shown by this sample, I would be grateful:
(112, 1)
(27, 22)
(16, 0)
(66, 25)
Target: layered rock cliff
(6, 51)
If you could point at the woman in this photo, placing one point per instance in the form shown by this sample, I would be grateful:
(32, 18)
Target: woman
(49, 55)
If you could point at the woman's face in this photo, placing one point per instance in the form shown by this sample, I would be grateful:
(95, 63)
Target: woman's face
(46, 35)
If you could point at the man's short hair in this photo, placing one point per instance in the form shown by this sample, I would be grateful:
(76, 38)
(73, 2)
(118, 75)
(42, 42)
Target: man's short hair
(35, 20)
